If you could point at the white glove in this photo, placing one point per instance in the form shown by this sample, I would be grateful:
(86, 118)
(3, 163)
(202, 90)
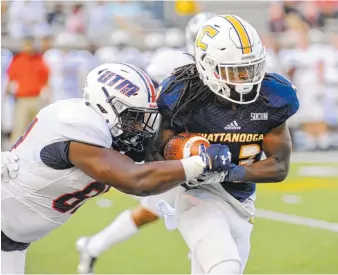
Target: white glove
(169, 215)
(9, 166)
(207, 178)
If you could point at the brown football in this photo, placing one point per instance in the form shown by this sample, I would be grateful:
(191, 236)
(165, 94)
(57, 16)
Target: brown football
(184, 145)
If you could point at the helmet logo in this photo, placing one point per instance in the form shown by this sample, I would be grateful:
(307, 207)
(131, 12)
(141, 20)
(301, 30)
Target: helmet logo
(121, 84)
(206, 31)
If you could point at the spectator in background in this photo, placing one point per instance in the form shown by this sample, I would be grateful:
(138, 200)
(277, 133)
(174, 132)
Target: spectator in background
(30, 75)
(4, 7)
(75, 22)
(312, 15)
(290, 7)
(304, 72)
(100, 18)
(329, 73)
(277, 21)
(56, 16)
(45, 43)
(124, 12)
(25, 18)
(68, 67)
(329, 9)
(273, 62)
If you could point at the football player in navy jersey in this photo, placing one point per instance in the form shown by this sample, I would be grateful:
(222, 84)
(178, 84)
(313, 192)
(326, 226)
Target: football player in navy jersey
(227, 97)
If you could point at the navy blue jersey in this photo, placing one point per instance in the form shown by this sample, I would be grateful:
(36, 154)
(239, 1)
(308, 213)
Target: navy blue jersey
(242, 129)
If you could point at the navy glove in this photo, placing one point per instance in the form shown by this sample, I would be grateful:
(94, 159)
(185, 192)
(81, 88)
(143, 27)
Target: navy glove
(217, 157)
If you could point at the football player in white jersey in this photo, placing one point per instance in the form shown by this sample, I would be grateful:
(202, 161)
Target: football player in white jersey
(129, 222)
(70, 153)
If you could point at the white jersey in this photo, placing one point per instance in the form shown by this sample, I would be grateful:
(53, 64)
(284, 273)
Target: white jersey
(306, 79)
(41, 198)
(164, 61)
(329, 57)
(274, 64)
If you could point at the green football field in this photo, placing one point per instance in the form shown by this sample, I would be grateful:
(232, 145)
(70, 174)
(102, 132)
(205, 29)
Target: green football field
(277, 246)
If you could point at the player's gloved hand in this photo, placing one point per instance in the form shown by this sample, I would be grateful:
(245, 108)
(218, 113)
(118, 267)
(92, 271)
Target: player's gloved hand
(217, 157)
(207, 178)
(9, 166)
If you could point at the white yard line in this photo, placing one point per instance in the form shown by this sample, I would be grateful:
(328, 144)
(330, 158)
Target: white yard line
(294, 219)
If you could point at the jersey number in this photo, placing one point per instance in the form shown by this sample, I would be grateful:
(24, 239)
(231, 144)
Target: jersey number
(207, 31)
(248, 153)
(72, 201)
(22, 138)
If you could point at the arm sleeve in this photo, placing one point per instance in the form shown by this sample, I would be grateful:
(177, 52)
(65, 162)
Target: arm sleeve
(286, 104)
(55, 155)
(167, 98)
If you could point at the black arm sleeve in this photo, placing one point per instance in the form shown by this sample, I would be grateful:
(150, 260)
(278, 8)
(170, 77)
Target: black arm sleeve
(56, 155)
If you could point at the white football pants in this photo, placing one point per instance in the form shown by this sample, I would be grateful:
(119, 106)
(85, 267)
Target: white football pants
(13, 262)
(150, 202)
(217, 236)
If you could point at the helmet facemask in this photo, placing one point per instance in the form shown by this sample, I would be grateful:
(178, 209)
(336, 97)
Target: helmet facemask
(135, 127)
(225, 78)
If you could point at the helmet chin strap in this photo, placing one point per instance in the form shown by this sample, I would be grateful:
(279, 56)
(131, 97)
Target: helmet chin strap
(241, 89)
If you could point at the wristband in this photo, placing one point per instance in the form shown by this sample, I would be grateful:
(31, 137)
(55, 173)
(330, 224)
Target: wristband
(193, 167)
(236, 173)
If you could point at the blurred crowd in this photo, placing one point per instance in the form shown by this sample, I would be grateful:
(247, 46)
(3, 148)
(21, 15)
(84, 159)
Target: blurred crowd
(301, 39)
(90, 18)
(303, 46)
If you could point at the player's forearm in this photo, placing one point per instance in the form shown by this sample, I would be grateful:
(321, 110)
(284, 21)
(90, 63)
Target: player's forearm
(268, 170)
(157, 177)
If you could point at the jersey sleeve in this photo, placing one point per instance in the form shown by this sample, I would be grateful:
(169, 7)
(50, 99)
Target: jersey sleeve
(282, 99)
(168, 94)
(86, 128)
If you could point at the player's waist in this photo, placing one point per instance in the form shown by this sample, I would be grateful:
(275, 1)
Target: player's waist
(244, 206)
(240, 191)
(8, 245)
(22, 223)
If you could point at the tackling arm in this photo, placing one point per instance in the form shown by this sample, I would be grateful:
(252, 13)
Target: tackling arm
(112, 168)
(277, 147)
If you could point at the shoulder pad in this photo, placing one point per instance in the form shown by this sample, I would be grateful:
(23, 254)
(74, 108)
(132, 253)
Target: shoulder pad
(280, 92)
(85, 125)
(168, 94)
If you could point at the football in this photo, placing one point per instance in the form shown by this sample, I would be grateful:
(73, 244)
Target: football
(184, 145)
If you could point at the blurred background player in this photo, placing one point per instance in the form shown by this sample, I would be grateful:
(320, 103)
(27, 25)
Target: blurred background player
(69, 67)
(162, 64)
(173, 55)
